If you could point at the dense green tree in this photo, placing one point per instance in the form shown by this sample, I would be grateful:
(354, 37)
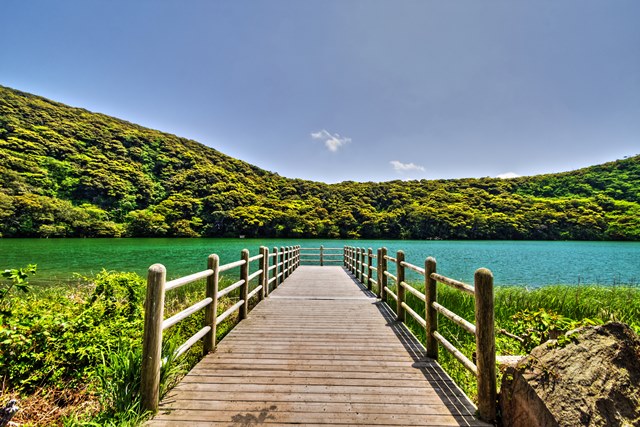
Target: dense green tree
(68, 172)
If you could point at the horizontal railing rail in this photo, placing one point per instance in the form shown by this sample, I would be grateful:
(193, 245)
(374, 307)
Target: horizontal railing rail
(369, 268)
(321, 255)
(359, 262)
(273, 269)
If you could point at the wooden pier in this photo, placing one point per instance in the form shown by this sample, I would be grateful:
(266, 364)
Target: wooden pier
(321, 349)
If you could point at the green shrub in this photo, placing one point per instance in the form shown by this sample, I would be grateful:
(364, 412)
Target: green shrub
(533, 315)
(51, 338)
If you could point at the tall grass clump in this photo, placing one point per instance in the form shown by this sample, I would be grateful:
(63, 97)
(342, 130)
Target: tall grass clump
(71, 353)
(533, 315)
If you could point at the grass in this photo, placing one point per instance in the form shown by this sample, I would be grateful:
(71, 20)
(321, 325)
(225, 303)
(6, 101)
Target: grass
(106, 393)
(529, 313)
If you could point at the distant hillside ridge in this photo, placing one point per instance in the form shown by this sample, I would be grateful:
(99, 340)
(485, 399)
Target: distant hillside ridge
(68, 172)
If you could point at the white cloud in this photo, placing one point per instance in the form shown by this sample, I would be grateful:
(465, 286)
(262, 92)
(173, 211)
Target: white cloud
(332, 141)
(508, 175)
(405, 167)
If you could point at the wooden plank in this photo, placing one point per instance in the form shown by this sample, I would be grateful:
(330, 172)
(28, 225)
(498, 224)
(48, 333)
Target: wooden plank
(305, 355)
(306, 388)
(182, 395)
(274, 380)
(287, 365)
(268, 415)
(365, 408)
(259, 374)
(311, 355)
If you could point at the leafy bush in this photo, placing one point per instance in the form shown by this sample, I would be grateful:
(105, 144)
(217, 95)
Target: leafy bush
(53, 339)
(84, 344)
(533, 316)
(536, 327)
(14, 278)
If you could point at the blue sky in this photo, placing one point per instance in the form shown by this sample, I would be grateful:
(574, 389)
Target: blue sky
(337, 90)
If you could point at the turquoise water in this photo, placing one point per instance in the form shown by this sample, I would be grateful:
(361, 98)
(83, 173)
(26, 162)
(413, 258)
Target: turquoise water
(529, 263)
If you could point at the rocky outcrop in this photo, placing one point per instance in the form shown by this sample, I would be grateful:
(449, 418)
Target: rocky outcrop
(589, 377)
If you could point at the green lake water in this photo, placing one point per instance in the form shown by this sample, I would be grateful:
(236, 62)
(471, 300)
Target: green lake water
(528, 263)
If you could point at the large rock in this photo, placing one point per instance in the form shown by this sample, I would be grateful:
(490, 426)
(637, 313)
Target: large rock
(590, 377)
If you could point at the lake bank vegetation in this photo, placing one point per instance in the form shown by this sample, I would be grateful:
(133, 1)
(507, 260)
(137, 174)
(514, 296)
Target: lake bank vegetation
(67, 172)
(526, 318)
(71, 353)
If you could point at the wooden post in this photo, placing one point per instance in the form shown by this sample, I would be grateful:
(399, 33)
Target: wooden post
(265, 267)
(275, 270)
(356, 271)
(399, 287)
(292, 261)
(370, 267)
(281, 261)
(378, 273)
(430, 313)
(365, 263)
(287, 261)
(261, 278)
(244, 289)
(284, 263)
(361, 264)
(353, 260)
(152, 340)
(485, 344)
(383, 277)
(321, 255)
(344, 256)
(211, 311)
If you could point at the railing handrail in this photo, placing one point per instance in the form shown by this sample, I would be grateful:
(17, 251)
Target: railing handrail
(317, 249)
(275, 267)
(284, 262)
(322, 255)
(359, 263)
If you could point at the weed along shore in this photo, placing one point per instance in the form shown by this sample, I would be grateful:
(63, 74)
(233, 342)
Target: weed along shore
(73, 354)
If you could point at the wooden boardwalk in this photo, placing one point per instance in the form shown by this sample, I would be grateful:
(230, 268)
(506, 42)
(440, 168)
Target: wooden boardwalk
(321, 350)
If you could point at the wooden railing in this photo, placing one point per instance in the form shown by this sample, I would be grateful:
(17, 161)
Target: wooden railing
(273, 269)
(360, 262)
(321, 255)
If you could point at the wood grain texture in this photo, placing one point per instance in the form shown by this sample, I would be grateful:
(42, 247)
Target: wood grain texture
(320, 350)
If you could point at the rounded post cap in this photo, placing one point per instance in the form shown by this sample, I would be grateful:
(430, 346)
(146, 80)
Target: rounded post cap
(158, 268)
(483, 272)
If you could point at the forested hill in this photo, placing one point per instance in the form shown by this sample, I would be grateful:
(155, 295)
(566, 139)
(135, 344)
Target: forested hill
(68, 172)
